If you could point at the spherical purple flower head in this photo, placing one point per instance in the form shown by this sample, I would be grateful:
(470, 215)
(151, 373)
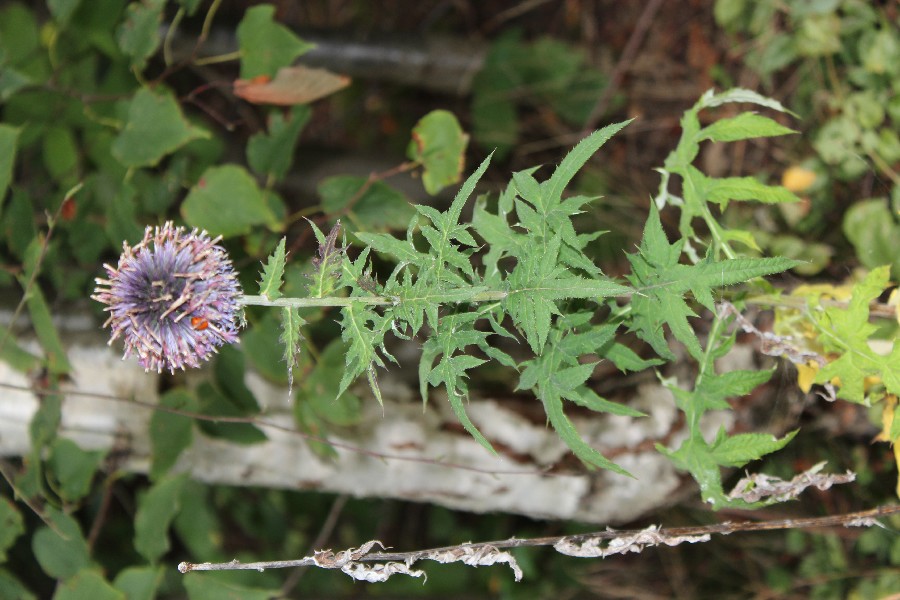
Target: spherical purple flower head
(173, 298)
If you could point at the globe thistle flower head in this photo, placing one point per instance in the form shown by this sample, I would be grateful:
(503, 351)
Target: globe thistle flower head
(173, 298)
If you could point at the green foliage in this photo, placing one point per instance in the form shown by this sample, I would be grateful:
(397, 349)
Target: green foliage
(154, 127)
(270, 154)
(546, 73)
(12, 526)
(170, 433)
(226, 201)
(155, 512)
(662, 284)
(61, 551)
(273, 273)
(265, 45)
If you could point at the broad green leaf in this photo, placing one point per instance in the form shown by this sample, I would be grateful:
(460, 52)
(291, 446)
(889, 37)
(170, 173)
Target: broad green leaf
(12, 588)
(197, 524)
(60, 557)
(271, 154)
(263, 349)
(139, 583)
(8, 137)
(155, 512)
(291, 338)
(230, 370)
(87, 584)
(62, 10)
(265, 45)
(819, 35)
(15, 356)
(226, 201)
(19, 33)
(874, 233)
(73, 468)
(204, 587)
(138, 36)
(154, 128)
(216, 403)
(11, 526)
(273, 273)
(737, 450)
(170, 433)
(439, 144)
(377, 206)
(742, 127)
(57, 361)
(320, 389)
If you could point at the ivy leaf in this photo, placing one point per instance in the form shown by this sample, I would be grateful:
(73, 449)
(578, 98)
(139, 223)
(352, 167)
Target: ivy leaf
(170, 433)
(273, 273)
(660, 283)
(138, 36)
(226, 201)
(439, 144)
(8, 139)
(155, 127)
(270, 154)
(155, 512)
(265, 45)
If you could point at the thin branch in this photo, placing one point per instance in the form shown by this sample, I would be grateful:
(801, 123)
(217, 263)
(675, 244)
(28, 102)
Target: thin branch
(624, 63)
(363, 564)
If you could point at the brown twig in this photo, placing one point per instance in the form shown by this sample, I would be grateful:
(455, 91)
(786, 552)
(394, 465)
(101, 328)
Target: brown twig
(624, 63)
(363, 564)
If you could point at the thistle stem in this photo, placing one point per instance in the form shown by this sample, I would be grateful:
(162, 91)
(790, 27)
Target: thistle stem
(490, 296)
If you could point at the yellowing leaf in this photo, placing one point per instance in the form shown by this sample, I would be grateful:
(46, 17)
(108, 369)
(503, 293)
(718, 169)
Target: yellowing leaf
(894, 300)
(798, 179)
(806, 374)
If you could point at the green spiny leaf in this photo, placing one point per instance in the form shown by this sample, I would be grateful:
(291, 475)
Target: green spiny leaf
(291, 337)
(744, 126)
(327, 262)
(576, 159)
(273, 273)
(737, 450)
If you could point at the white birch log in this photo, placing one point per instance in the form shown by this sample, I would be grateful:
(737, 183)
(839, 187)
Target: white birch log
(410, 454)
